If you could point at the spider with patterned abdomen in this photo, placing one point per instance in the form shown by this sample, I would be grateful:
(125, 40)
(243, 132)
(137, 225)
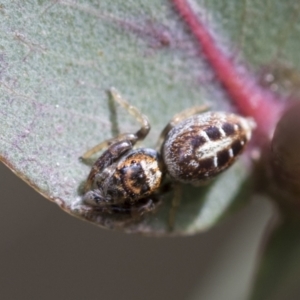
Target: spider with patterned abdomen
(125, 180)
(194, 148)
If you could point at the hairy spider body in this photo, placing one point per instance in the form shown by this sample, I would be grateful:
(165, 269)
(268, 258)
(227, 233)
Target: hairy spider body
(136, 175)
(125, 180)
(195, 147)
(199, 147)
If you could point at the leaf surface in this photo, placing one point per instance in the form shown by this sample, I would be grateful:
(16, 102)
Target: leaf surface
(57, 60)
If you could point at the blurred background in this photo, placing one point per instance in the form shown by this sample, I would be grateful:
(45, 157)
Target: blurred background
(47, 254)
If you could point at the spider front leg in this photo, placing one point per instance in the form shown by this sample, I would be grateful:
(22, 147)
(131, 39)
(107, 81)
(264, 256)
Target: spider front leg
(142, 119)
(133, 137)
(124, 180)
(144, 206)
(117, 145)
(178, 118)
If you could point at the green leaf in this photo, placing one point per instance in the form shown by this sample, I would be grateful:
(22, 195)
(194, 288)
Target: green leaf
(57, 60)
(279, 271)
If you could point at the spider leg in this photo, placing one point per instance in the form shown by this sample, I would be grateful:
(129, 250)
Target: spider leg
(178, 118)
(105, 144)
(142, 119)
(133, 212)
(133, 137)
(148, 205)
(175, 204)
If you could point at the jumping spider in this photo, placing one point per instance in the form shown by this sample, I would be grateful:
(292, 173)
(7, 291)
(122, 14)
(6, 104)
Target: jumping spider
(125, 180)
(194, 148)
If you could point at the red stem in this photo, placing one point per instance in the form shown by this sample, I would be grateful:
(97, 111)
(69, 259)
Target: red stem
(251, 99)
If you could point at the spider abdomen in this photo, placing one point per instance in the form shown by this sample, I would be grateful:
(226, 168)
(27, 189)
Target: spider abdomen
(200, 147)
